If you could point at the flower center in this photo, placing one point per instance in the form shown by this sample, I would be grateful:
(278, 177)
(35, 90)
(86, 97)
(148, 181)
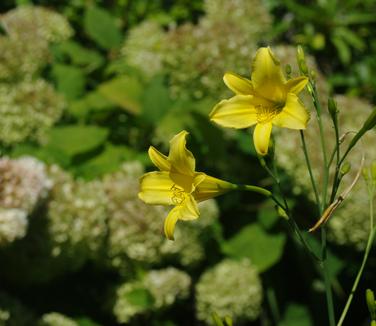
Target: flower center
(267, 113)
(178, 195)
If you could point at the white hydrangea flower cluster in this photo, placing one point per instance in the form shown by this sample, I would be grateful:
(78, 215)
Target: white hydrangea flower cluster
(350, 224)
(43, 22)
(230, 288)
(13, 225)
(24, 184)
(56, 319)
(220, 42)
(29, 30)
(28, 109)
(158, 288)
(167, 286)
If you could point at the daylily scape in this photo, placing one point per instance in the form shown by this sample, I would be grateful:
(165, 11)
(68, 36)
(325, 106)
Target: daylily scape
(178, 184)
(267, 99)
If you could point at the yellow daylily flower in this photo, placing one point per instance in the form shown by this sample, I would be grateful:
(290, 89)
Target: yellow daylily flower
(267, 99)
(178, 184)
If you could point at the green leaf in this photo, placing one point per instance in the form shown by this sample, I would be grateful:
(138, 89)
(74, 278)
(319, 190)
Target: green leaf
(267, 215)
(46, 154)
(101, 27)
(264, 249)
(156, 101)
(140, 297)
(75, 139)
(78, 55)
(296, 315)
(123, 91)
(70, 80)
(84, 321)
(92, 102)
(106, 162)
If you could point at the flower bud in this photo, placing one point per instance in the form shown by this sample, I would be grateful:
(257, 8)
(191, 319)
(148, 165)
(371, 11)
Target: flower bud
(371, 121)
(288, 70)
(332, 108)
(365, 174)
(282, 213)
(345, 168)
(370, 298)
(373, 171)
(302, 61)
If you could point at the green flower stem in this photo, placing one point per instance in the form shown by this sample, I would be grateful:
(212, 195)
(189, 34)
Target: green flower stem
(371, 237)
(259, 190)
(328, 288)
(293, 225)
(308, 162)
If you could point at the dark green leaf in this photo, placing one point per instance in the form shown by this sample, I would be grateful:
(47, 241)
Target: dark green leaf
(123, 91)
(296, 315)
(75, 139)
(101, 27)
(264, 249)
(70, 80)
(156, 100)
(140, 297)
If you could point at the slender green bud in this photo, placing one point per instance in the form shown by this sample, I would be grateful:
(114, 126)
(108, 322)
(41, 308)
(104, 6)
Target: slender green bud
(313, 74)
(370, 298)
(373, 171)
(332, 108)
(228, 321)
(345, 168)
(217, 320)
(288, 70)
(368, 125)
(365, 174)
(282, 213)
(371, 121)
(302, 61)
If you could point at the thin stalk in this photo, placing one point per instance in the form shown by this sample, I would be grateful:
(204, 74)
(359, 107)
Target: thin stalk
(371, 237)
(328, 287)
(308, 162)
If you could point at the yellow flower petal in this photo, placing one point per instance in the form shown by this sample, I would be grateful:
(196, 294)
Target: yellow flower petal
(261, 137)
(296, 85)
(237, 112)
(170, 222)
(157, 188)
(238, 84)
(182, 180)
(159, 159)
(267, 76)
(189, 209)
(211, 187)
(181, 159)
(294, 115)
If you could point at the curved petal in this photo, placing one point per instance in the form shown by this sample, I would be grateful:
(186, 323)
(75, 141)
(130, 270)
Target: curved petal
(261, 137)
(170, 222)
(189, 209)
(267, 76)
(159, 159)
(237, 112)
(294, 115)
(296, 85)
(211, 187)
(238, 84)
(157, 188)
(181, 159)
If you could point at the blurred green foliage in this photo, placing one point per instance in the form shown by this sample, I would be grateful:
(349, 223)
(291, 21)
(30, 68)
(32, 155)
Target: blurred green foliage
(86, 86)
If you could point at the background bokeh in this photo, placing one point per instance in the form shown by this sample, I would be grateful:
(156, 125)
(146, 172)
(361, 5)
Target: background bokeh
(86, 86)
